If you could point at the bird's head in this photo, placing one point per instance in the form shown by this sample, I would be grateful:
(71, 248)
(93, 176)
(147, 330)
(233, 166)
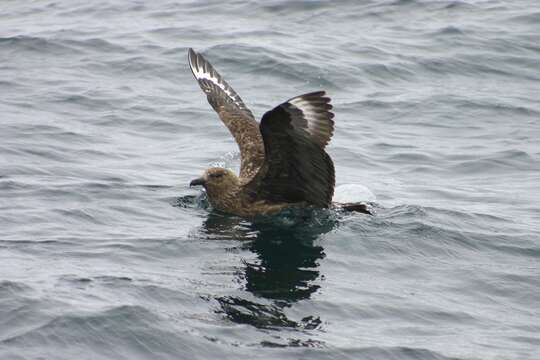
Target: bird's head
(217, 182)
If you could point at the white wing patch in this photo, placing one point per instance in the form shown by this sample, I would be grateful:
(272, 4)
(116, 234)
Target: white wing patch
(315, 108)
(205, 73)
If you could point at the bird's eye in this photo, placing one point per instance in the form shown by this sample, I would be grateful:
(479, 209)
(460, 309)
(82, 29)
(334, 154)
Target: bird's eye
(217, 176)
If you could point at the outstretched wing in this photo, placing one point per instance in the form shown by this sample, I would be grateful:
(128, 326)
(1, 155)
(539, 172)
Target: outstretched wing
(232, 111)
(296, 167)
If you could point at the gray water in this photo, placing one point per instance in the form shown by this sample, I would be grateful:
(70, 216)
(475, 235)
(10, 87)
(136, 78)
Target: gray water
(106, 253)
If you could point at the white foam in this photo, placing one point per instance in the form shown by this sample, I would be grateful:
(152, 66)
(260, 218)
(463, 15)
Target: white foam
(347, 193)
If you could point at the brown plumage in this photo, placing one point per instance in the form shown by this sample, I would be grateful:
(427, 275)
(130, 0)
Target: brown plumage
(283, 161)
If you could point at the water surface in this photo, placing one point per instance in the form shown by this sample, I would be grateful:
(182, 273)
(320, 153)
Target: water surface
(105, 253)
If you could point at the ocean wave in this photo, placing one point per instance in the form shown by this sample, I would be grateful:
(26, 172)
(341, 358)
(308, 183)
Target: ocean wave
(106, 253)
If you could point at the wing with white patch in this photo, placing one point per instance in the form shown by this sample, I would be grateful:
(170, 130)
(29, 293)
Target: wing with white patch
(232, 111)
(296, 167)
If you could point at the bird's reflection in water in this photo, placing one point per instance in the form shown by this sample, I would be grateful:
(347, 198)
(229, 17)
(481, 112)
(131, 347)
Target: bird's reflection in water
(286, 267)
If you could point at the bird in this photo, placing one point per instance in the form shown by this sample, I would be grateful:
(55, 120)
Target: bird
(283, 162)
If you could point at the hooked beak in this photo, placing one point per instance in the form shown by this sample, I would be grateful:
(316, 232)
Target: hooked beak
(199, 181)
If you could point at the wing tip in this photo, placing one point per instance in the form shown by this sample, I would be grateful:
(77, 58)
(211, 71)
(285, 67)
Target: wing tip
(198, 64)
(316, 109)
(192, 61)
(200, 67)
(314, 94)
(191, 55)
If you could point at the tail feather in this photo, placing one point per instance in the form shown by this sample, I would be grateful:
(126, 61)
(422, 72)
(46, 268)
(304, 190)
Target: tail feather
(356, 207)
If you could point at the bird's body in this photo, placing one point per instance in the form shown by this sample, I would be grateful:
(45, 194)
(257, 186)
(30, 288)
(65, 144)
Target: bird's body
(283, 159)
(226, 193)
